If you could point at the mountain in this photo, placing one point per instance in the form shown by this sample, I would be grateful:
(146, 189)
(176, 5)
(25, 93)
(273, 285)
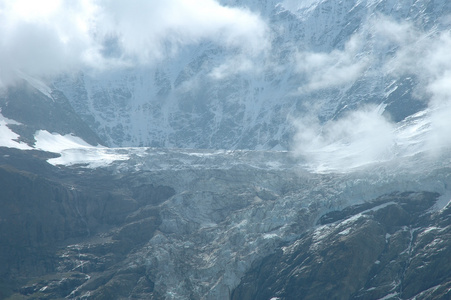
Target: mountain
(210, 97)
(314, 164)
(34, 106)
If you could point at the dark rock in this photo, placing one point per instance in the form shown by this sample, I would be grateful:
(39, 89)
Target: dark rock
(386, 247)
(36, 111)
(64, 224)
(139, 231)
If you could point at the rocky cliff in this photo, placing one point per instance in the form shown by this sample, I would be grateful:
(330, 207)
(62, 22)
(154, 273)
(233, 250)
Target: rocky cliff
(388, 248)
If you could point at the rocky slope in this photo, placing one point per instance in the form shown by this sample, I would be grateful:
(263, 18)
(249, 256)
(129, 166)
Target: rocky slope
(38, 109)
(388, 248)
(178, 224)
(44, 208)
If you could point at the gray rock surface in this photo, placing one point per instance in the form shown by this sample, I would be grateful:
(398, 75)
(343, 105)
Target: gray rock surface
(388, 248)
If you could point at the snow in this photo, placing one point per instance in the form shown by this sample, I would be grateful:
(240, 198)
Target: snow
(345, 232)
(53, 142)
(91, 157)
(7, 137)
(74, 150)
(269, 235)
(443, 201)
(390, 296)
(432, 228)
(387, 237)
(38, 84)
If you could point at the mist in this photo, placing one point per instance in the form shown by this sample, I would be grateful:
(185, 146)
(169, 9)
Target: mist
(45, 38)
(364, 136)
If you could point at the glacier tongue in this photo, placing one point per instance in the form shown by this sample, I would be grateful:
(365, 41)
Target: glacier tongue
(233, 207)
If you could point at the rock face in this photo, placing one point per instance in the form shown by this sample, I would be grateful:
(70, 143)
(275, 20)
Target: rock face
(387, 248)
(179, 103)
(41, 213)
(36, 110)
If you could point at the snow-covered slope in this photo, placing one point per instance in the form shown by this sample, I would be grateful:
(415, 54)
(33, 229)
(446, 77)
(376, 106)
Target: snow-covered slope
(324, 58)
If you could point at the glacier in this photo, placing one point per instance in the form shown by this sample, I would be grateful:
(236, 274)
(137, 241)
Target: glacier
(243, 152)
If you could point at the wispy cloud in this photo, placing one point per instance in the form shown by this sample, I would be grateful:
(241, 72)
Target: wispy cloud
(361, 137)
(148, 29)
(334, 69)
(365, 136)
(42, 38)
(426, 55)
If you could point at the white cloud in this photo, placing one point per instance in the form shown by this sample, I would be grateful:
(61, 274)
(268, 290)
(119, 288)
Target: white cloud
(359, 138)
(334, 69)
(364, 136)
(388, 31)
(232, 66)
(146, 29)
(42, 38)
(427, 56)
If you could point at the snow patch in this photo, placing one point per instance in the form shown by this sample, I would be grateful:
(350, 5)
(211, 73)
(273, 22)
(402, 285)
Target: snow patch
(269, 235)
(54, 142)
(74, 150)
(443, 201)
(9, 138)
(91, 157)
(345, 232)
(390, 296)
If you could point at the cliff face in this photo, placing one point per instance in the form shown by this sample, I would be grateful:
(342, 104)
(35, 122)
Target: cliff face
(35, 110)
(43, 208)
(323, 58)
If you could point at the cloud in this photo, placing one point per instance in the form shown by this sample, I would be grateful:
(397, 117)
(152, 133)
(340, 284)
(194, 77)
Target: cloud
(232, 66)
(364, 136)
(361, 137)
(334, 69)
(148, 29)
(43, 38)
(386, 31)
(342, 67)
(427, 56)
